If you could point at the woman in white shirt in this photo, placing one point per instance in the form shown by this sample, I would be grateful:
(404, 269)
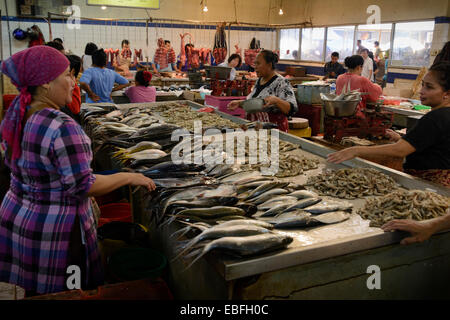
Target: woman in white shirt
(234, 61)
(87, 57)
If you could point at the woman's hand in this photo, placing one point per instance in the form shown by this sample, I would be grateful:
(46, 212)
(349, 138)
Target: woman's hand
(271, 101)
(342, 155)
(420, 231)
(233, 105)
(138, 179)
(392, 135)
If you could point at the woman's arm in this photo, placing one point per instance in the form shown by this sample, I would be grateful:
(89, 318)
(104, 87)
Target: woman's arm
(107, 183)
(120, 87)
(281, 104)
(399, 149)
(90, 93)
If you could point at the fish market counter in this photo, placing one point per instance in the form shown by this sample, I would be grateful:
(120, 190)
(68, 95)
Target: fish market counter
(402, 116)
(334, 261)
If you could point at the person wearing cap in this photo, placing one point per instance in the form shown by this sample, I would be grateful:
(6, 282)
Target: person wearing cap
(46, 219)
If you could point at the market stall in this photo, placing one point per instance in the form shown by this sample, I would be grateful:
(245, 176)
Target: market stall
(310, 260)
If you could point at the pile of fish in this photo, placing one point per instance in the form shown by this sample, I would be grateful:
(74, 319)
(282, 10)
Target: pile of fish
(241, 238)
(410, 204)
(352, 183)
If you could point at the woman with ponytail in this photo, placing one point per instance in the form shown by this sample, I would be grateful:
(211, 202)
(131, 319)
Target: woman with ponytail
(142, 91)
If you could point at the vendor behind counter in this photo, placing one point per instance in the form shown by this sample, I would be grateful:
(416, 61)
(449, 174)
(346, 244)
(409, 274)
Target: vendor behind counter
(276, 91)
(427, 145)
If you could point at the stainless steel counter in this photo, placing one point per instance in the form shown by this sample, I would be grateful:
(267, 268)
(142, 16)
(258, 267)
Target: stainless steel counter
(310, 247)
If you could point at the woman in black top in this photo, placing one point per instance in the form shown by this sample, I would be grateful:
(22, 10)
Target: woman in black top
(427, 145)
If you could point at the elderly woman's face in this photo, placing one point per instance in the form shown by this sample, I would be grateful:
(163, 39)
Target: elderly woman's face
(262, 68)
(60, 90)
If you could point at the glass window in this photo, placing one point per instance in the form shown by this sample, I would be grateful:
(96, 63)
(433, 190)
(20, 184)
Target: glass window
(412, 43)
(289, 40)
(370, 33)
(340, 39)
(312, 44)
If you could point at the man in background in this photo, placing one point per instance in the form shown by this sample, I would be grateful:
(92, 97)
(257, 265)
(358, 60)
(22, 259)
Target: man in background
(99, 81)
(171, 56)
(367, 70)
(333, 68)
(359, 46)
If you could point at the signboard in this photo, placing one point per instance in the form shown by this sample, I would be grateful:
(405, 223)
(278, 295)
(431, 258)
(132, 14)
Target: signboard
(146, 4)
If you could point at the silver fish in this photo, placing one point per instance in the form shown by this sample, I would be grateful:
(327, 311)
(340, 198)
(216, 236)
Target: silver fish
(329, 206)
(270, 202)
(304, 203)
(303, 194)
(301, 218)
(266, 187)
(269, 195)
(239, 176)
(276, 210)
(220, 231)
(247, 246)
(332, 217)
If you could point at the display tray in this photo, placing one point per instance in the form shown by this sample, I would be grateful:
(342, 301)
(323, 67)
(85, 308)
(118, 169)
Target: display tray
(404, 112)
(318, 243)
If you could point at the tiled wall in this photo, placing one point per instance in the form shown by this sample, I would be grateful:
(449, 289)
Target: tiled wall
(109, 35)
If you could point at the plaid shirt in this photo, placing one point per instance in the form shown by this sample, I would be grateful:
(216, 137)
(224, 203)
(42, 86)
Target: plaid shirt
(48, 190)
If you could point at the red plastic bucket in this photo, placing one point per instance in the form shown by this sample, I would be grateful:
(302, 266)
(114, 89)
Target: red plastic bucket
(115, 212)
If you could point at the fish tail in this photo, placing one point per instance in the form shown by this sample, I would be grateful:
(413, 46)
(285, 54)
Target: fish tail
(202, 253)
(181, 232)
(188, 246)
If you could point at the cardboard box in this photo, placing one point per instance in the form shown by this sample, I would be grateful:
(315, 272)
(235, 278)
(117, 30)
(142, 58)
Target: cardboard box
(192, 96)
(396, 92)
(403, 83)
(296, 71)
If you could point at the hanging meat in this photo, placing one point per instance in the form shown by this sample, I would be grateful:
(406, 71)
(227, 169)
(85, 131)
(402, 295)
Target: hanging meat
(138, 56)
(189, 53)
(220, 44)
(250, 54)
(205, 56)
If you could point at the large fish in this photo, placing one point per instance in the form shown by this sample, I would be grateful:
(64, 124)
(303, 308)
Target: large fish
(236, 176)
(213, 212)
(303, 194)
(223, 230)
(269, 195)
(303, 219)
(276, 210)
(266, 187)
(279, 199)
(329, 206)
(304, 203)
(246, 246)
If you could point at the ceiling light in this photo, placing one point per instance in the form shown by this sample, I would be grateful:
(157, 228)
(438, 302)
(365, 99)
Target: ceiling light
(205, 9)
(103, 7)
(281, 12)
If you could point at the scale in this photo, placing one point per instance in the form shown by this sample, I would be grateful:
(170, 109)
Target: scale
(372, 125)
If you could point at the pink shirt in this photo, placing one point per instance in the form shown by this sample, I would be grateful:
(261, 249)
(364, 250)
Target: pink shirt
(361, 83)
(138, 94)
